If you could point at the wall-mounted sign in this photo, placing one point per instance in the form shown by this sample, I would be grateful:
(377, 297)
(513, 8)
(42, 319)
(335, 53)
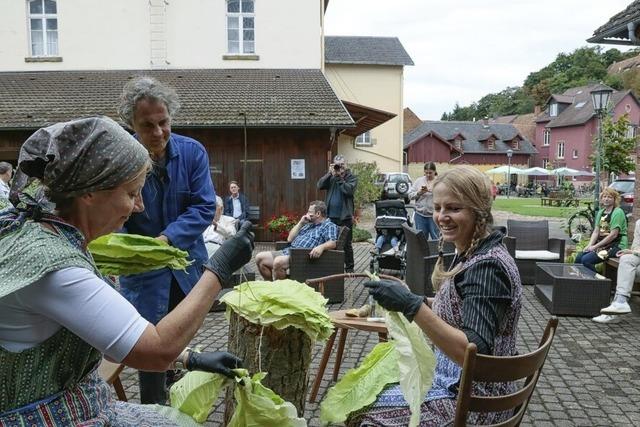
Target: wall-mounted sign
(297, 169)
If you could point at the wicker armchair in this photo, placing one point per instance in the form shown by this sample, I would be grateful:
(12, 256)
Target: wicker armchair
(533, 245)
(301, 267)
(421, 257)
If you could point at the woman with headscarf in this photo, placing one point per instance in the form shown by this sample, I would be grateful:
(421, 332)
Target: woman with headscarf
(478, 300)
(58, 315)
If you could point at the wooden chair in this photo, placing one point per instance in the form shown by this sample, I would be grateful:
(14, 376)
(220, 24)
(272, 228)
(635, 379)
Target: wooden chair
(481, 368)
(110, 372)
(343, 323)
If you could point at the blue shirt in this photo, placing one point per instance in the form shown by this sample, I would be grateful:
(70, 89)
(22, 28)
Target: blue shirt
(312, 235)
(180, 203)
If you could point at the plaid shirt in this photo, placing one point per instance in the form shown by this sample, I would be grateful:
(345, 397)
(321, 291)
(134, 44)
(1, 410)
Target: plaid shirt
(312, 235)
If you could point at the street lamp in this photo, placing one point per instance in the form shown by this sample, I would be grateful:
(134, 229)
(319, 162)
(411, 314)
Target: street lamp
(600, 98)
(509, 154)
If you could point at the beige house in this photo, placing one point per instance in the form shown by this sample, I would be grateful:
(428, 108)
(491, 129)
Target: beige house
(369, 71)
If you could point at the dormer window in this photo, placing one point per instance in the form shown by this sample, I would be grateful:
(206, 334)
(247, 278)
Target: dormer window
(491, 144)
(515, 144)
(457, 143)
(553, 109)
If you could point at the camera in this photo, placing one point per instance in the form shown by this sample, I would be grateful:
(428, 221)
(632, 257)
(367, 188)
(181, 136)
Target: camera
(337, 167)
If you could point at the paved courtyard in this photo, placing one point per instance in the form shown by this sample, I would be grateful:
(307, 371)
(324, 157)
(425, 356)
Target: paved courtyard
(591, 377)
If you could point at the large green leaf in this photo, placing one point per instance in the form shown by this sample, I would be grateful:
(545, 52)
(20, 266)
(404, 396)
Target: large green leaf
(281, 304)
(196, 392)
(360, 386)
(119, 254)
(259, 406)
(416, 362)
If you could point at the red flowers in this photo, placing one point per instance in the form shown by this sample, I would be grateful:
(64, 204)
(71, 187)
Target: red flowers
(282, 224)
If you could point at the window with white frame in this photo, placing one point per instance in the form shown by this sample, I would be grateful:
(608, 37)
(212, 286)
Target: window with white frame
(515, 144)
(545, 163)
(553, 109)
(240, 27)
(546, 138)
(574, 153)
(364, 140)
(43, 27)
(560, 150)
(491, 144)
(631, 131)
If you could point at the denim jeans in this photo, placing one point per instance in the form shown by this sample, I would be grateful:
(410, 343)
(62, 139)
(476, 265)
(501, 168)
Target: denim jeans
(427, 225)
(590, 259)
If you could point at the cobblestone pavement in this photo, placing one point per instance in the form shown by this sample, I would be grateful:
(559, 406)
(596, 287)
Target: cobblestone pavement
(591, 377)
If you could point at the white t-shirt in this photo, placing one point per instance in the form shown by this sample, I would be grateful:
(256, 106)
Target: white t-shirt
(78, 300)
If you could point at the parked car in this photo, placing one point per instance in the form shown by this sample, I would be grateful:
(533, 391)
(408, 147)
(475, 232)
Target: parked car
(625, 186)
(394, 185)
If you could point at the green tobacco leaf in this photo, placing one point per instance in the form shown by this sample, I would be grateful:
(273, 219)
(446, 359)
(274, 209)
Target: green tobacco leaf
(360, 386)
(196, 392)
(120, 254)
(259, 406)
(416, 362)
(281, 304)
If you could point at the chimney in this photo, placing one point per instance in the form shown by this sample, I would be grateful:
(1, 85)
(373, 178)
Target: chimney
(536, 110)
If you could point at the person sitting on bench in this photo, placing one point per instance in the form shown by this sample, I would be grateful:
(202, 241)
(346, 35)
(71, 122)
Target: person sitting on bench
(628, 270)
(609, 234)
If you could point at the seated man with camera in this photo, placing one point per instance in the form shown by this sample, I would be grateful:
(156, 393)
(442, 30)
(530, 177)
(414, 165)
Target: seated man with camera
(314, 231)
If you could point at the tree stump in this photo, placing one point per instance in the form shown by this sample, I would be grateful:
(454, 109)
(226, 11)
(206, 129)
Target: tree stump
(285, 355)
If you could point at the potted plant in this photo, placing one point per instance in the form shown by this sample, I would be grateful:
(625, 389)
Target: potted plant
(281, 225)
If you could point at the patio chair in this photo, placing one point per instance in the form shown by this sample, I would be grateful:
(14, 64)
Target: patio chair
(479, 368)
(301, 267)
(342, 323)
(110, 372)
(533, 245)
(421, 258)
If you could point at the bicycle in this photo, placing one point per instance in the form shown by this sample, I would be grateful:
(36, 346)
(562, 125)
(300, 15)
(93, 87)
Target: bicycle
(581, 223)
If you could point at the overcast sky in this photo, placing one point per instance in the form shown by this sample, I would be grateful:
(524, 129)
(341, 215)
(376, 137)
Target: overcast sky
(465, 49)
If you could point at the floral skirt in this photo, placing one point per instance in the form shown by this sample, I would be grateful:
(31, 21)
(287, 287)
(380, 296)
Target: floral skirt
(90, 403)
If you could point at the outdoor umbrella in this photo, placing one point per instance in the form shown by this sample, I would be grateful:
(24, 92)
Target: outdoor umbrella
(571, 172)
(503, 169)
(536, 171)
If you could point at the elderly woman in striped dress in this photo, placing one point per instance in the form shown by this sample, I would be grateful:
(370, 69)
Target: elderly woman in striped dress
(478, 300)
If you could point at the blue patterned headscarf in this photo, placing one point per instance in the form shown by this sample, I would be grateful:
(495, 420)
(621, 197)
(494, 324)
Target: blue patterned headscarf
(82, 155)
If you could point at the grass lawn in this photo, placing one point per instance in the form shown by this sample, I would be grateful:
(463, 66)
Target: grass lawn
(531, 207)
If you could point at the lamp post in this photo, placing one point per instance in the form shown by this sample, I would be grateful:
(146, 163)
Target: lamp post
(600, 98)
(509, 154)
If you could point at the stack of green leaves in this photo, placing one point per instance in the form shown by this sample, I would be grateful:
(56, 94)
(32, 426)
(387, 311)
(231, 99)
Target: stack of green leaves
(258, 406)
(281, 304)
(120, 254)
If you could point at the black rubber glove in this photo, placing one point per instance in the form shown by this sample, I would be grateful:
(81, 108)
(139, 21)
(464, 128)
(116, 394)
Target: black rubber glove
(393, 296)
(218, 362)
(232, 255)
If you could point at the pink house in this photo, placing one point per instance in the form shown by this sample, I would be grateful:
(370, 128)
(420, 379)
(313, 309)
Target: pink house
(565, 130)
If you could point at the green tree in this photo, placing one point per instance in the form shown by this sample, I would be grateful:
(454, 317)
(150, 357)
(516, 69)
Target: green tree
(366, 190)
(617, 147)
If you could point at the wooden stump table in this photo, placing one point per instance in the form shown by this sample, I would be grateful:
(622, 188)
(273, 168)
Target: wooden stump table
(285, 355)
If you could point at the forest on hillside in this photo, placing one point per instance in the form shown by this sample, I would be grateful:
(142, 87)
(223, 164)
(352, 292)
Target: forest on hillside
(581, 67)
